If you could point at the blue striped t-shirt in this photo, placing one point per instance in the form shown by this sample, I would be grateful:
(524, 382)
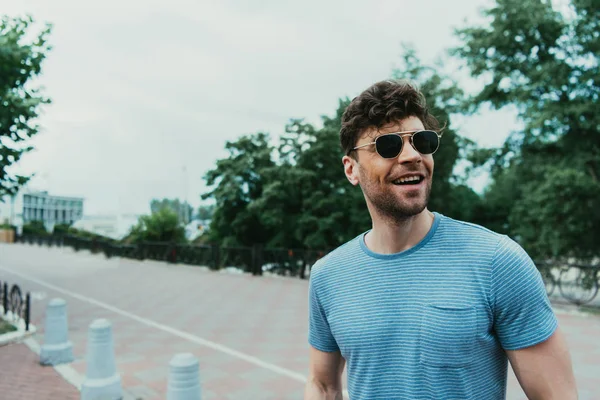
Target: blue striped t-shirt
(431, 322)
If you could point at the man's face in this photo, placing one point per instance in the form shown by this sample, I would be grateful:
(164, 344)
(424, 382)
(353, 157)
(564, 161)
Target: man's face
(379, 178)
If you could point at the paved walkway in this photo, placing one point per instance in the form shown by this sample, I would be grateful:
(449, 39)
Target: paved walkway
(249, 333)
(23, 378)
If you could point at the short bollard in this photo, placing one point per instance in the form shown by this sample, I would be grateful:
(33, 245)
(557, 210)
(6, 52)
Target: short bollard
(57, 349)
(184, 378)
(101, 379)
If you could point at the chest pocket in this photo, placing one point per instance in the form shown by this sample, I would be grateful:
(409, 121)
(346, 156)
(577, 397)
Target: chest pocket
(447, 335)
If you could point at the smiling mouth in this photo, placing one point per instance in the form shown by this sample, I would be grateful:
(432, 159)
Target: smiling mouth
(414, 180)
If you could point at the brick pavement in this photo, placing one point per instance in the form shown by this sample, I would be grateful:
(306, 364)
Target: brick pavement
(261, 317)
(23, 378)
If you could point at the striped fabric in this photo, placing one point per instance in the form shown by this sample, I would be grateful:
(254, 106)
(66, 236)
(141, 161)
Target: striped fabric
(430, 322)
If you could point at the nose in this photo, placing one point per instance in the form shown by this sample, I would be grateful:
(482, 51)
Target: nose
(408, 154)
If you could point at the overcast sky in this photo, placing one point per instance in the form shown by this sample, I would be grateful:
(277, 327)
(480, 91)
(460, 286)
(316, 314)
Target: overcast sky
(145, 93)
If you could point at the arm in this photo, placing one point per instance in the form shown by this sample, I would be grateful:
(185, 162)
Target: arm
(544, 370)
(325, 376)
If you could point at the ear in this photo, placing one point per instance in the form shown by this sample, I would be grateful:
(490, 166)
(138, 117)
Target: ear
(351, 169)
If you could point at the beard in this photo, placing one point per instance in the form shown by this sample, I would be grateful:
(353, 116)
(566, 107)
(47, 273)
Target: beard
(387, 204)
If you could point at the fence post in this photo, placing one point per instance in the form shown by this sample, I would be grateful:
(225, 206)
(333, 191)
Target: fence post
(5, 298)
(27, 311)
(216, 256)
(257, 259)
(303, 267)
(173, 254)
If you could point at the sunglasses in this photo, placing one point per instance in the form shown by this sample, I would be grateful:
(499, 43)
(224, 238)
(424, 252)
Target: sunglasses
(390, 145)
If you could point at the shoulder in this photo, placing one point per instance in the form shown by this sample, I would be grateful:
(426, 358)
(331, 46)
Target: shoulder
(511, 257)
(501, 247)
(336, 261)
(468, 229)
(468, 237)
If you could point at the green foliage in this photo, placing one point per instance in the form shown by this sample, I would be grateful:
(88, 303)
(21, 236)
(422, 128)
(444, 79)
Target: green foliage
(239, 180)
(206, 212)
(546, 63)
(61, 229)
(161, 226)
(181, 208)
(565, 217)
(6, 327)
(86, 235)
(8, 226)
(36, 228)
(307, 201)
(22, 53)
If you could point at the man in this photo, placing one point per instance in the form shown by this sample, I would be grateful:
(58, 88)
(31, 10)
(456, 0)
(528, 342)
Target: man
(423, 306)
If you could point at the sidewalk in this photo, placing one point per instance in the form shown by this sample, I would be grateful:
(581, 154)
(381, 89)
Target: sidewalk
(249, 333)
(23, 377)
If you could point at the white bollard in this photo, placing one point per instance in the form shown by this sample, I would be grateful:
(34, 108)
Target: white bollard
(184, 378)
(101, 379)
(57, 349)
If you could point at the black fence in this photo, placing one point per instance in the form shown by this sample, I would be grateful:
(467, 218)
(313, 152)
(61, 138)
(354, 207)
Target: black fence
(14, 302)
(255, 260)
(578, 284)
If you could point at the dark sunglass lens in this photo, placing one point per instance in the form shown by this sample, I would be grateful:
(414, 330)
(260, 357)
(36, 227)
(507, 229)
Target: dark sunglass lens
(426, 142)
(389, 146)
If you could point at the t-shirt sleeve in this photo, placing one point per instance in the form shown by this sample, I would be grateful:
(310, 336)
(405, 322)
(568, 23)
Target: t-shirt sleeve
(523, 316)
(319, 332)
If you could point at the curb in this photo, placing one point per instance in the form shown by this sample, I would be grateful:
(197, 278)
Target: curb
(19, 334)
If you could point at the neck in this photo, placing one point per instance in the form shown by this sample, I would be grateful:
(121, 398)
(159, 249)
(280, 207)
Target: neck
(388, 237)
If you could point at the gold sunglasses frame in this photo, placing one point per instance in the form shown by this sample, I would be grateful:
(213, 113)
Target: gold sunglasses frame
(402, 135)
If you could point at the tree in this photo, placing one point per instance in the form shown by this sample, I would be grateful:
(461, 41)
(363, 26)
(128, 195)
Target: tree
(161, 226)
(574, 212)
(307, 201)
(21, 56)
(238, 180)
(547, 64)
(181, 208)
(206, 212)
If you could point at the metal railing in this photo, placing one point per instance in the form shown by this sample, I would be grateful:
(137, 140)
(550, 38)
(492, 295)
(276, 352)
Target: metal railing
(576, 283)
(255, 260)
(14, 303)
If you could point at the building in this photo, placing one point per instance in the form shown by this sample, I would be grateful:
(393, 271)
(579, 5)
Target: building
(51, 210)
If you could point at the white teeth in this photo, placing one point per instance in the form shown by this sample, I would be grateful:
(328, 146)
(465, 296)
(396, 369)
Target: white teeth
(407, 179)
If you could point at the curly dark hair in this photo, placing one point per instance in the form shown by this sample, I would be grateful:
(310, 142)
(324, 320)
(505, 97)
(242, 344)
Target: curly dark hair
(383, 103)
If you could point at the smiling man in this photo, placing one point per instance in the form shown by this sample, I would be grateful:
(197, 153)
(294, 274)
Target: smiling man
(423, 306)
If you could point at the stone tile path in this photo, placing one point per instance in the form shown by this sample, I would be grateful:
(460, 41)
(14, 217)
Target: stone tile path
(23, 378)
